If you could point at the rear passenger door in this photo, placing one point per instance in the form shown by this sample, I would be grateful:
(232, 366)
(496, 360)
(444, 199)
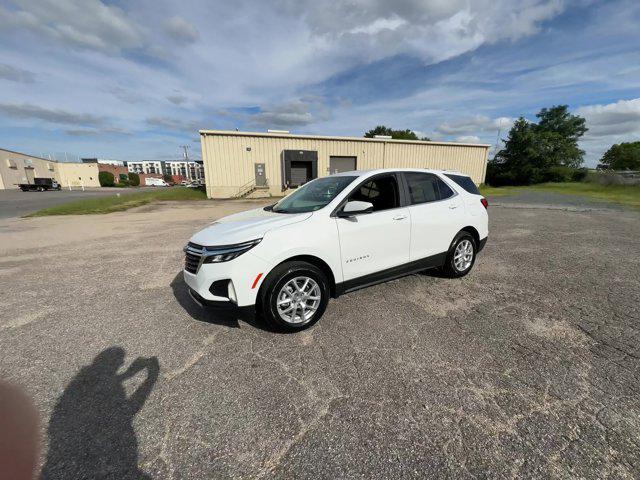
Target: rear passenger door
(435, 211)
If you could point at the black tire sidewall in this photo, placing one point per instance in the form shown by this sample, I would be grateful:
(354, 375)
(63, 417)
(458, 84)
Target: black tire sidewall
(278, 278)
(450, 266)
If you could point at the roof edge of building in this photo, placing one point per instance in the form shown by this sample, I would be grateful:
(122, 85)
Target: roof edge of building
(325, 137)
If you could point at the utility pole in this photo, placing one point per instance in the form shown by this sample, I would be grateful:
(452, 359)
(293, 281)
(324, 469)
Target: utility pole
(186, 161)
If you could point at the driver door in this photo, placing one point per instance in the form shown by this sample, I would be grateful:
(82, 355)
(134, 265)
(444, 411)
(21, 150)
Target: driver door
(378, 240)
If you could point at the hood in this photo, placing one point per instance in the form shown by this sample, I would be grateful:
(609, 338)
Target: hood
(245, 226)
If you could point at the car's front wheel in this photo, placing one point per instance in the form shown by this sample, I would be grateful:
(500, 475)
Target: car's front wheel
(461, 256)
(294, 296)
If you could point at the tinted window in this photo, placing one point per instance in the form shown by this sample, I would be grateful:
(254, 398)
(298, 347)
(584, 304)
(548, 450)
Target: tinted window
(423, 187)
(445, 190)
(313, 195)
(465, 182)
(382, 192)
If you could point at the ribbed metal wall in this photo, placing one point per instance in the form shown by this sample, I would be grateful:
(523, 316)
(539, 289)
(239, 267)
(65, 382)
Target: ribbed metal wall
(229, 157)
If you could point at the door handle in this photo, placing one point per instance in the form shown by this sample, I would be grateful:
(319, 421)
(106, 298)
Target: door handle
(451, 207)
(402, 216)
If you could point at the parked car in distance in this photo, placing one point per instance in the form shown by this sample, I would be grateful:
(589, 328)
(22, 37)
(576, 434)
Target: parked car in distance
(40, 185)
(184, 183)
(155, 182)
(334, 235)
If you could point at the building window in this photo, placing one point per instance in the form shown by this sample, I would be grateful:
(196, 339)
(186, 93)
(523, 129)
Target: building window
(11, 163)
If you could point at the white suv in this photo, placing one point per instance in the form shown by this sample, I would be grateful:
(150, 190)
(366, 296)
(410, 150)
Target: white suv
(334, 235)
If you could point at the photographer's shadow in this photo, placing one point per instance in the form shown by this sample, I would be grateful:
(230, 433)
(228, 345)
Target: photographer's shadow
(91, 432)
(228, 317)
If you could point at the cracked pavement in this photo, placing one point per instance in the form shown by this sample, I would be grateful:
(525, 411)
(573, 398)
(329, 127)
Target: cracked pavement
(527, 367)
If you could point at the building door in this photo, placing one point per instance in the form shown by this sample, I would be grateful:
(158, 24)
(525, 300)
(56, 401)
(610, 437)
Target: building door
(300, 173)
(30, 174)
(299, 167)
(261, 176)
(341, 164)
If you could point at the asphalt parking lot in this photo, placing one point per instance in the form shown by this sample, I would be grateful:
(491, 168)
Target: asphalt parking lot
(15, 203)
(527, 367)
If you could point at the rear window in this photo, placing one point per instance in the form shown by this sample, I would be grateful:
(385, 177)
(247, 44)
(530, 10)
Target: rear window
(464, 182)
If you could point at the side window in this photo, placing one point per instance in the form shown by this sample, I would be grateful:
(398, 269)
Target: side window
(464, 182)
(423, 187)
(382, 192)
(445, 190)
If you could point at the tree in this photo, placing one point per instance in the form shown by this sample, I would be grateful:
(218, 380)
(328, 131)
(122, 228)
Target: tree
(106, 179)
(134, 179)
(622, 156)
(539, 152)
(167, 178)
(395, 134)
(562, 131)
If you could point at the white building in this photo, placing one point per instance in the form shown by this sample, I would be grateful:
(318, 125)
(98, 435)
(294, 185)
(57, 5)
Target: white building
(105, 161)
(147, 166)
(188, 169)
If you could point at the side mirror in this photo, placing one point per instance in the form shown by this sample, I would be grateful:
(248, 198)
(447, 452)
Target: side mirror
(355, 207)
(269, 208)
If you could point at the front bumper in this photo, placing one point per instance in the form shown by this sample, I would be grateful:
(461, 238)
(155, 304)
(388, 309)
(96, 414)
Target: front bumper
(246, 272)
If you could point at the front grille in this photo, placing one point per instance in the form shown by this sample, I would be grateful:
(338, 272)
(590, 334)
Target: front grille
(192, 258)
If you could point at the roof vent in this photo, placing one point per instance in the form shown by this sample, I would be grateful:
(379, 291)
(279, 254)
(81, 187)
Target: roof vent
(278, 131)
(386, 137)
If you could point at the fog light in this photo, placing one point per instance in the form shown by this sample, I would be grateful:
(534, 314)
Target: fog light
(232, 293)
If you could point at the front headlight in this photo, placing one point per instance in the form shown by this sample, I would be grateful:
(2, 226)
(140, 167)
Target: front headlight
(224, 253)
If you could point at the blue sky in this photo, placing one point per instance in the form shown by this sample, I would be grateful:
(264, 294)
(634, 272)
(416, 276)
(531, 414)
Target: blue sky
(137, 79)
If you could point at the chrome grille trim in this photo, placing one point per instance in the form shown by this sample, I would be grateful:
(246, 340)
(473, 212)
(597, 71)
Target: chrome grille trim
(193, 257)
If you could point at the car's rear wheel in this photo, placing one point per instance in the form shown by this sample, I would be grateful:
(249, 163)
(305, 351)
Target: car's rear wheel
(294, 296)
(461, 256)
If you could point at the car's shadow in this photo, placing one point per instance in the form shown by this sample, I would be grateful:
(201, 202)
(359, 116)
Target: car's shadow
(227, 317)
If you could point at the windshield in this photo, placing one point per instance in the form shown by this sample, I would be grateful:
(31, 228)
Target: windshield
(314, 195)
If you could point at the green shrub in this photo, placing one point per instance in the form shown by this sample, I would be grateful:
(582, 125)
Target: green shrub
(123, 183)
(134, 179)
(168, 178)
(106, 179)
(579, 175)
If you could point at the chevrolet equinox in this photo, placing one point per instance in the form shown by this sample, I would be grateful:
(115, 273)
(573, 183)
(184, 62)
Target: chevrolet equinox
(334, 235)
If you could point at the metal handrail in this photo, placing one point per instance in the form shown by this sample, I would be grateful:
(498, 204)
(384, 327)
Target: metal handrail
(245, 188)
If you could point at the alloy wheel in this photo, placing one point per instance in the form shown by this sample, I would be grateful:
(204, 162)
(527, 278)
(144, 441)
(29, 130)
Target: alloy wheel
(298, 300)
(463, 255)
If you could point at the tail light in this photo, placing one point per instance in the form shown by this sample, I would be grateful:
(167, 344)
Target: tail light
(484, 203)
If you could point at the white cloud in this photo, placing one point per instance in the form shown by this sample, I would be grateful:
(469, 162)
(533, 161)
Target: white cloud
(175, 124)
(15, 74)
(478, 123)
(177, 98)
(468, 139)
(86, 24)
(609, 124)
(620, 118)
(55, 116)
(434, 30)
(181, 30)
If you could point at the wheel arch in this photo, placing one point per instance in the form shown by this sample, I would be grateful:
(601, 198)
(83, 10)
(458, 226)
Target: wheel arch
(313, 260)
(473, 232)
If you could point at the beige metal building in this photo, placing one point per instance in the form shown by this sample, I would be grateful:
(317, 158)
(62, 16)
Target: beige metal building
(240, 163)
(16, 168)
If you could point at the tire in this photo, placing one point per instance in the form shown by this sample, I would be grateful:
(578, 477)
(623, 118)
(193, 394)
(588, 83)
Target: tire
(453, 269)
(40, 189)
(278, 286)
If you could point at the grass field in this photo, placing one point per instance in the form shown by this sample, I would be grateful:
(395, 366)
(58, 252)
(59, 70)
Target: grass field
(628, 195)
(122, 201)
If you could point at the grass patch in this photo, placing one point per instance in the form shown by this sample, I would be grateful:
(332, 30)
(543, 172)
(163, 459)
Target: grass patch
(489, 191)
(124, 202)
(627, 195)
